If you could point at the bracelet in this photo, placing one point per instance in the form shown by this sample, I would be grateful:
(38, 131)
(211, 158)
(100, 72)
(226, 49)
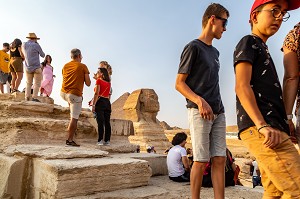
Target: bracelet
(263, 126)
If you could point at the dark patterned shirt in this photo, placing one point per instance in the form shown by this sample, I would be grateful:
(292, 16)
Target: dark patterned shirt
(264, 82)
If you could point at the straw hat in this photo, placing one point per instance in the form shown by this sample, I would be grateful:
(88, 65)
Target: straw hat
(32, 36)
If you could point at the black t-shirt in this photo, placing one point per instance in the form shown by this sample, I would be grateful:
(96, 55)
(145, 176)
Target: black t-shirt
(264, 82)
(201, 62)
(14, 52)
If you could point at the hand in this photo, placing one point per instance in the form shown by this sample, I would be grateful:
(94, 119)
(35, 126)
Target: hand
(95, 76)
(272, 137)
(205, 110)
(292, 132)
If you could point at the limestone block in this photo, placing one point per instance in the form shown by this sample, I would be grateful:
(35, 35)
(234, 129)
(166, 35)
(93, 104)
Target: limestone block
(31, 106)
(28, 130)
(157, 162)
(54, 152)
(5, 96)
(121, 127)
(78, 177)
(12, 171)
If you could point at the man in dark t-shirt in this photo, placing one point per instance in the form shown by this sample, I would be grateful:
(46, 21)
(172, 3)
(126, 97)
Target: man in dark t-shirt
(198, 81)
(261, 115)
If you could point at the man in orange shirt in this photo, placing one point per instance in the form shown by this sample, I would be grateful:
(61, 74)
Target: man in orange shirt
(5, 77)
(75, 74)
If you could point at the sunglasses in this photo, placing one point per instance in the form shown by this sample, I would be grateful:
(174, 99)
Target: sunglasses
(225, 21)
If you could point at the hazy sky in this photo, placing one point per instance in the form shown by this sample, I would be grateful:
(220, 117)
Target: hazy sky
(142, 40)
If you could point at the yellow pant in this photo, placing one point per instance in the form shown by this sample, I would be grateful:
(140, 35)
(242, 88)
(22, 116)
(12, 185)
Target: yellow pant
(279, 167)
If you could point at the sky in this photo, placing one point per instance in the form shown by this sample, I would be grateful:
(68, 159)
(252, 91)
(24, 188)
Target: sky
(142, 41)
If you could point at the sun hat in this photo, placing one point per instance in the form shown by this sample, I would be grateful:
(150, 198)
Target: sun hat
(32, 35)
(292, 4)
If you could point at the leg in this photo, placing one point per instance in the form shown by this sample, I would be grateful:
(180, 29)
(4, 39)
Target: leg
(18, 80)
(37, 76)
(218, 153)
(13, 81)
(29, 79)
(72, 128)
(218, 176)
(200, 136)
(283, 161)
(107, 126)
(100, 122)
(196, 178)
(1, 88)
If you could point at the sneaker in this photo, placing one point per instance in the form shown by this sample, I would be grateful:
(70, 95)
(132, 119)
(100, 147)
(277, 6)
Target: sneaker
(107, 143)
(71, 143)
(100, 143)
(35, 100)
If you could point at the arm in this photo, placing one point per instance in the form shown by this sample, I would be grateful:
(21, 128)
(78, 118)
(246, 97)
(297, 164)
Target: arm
(204, 108)
(95, 98)
(185, 162)
(87, 79)
(290, 84)
(246, 96)
(21, 52)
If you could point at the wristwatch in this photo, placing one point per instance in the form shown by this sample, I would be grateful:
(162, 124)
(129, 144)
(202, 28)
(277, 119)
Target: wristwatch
(289, 117)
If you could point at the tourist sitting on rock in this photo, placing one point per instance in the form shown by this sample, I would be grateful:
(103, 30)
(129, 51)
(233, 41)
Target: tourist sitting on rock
(177, 161)
(150, 149)
(231, 172)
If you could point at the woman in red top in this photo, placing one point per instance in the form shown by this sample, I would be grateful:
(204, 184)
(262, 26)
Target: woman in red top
(102, 107)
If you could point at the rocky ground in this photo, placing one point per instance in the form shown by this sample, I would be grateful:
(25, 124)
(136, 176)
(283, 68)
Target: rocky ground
(161, 187)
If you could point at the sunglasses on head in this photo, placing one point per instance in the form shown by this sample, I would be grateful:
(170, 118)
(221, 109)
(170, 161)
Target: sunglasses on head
(225, 21)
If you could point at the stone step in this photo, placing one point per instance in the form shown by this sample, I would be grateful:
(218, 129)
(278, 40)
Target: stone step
(28, 130)
(31, 171)
(160, 187)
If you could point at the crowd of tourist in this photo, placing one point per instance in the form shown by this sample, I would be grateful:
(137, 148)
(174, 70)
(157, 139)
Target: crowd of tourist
(20, 57)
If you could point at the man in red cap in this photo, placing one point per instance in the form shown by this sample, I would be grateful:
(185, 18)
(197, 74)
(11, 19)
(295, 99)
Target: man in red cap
(261, 115)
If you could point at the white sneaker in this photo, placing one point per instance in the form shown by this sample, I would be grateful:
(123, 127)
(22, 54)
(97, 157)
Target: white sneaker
(107, 143)
(100, 143)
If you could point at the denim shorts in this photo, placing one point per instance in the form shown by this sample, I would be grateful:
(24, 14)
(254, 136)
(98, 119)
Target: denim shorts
(75, 104)
(208, 137)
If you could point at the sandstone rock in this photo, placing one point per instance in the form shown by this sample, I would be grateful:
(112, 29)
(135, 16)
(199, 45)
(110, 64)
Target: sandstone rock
(53, 152)
(12, 173)
(117, 107)
(157, 162)
(80, 177)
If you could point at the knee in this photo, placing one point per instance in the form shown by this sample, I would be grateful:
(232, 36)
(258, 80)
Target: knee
(219, 161)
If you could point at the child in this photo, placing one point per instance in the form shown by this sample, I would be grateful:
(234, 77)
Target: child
(261, 115)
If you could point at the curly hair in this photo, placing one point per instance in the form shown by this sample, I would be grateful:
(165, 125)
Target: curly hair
(179, 138)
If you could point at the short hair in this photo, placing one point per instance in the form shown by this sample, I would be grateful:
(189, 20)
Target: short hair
(5, 44)
(75, 53)
(179, 138)
(213, 9)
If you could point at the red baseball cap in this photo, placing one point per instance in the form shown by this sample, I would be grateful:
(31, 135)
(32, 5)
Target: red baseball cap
(293, 4)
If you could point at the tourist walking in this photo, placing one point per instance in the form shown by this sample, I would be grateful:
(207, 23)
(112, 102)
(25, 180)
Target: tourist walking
(101, 106)
(75, 75)
(16, 64)
(291, 86)
(5, 76)
(198, 81)
(48, 77)
(261, 115)
(33, 70)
